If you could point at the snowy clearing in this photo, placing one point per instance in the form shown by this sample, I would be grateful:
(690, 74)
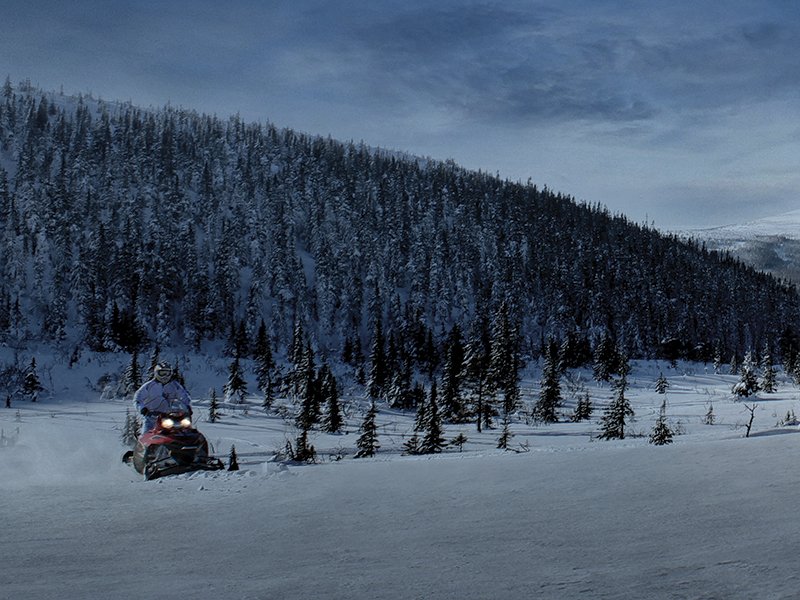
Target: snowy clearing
(711, 516)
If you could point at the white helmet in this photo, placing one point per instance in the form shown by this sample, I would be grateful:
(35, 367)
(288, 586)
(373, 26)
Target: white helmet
(162, 373)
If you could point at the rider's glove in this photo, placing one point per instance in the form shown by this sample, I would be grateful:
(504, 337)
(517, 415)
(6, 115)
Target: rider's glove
(145, 412)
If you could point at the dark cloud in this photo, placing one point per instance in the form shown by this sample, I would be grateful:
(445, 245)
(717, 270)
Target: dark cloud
(526, 63)
(513, 63)
(492, 63)
(722, 67)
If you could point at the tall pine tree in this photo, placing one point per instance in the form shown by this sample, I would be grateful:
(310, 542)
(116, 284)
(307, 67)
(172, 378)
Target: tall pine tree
(367, 442)
(433, 441)
(378, 374)
(662, 433)
(329, 391)
(235, 389)
(546, 408)
(619, 410)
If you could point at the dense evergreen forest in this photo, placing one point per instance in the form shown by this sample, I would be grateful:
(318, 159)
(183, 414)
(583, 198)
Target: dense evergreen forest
(121, 227)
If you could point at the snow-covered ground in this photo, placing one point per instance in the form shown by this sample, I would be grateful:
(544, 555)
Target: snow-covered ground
(784, 225)
(714, 515)
(770, 244)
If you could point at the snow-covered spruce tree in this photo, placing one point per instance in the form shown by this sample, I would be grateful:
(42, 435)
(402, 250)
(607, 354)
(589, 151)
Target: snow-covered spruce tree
(748, 379)
(395, 363)
(239, 343)
(505, 437)
(429, 356)
(163, 321)
(709, 417)
(235, 389)
(107, 342)
(308, 392)
(662, 385)
(421, 419)
(619, 410)
(265, 366)
(332, 422)
(376, 382)
(130, 432)
(197, 323)
(31, 385)
(606, 359)
(303, 451)
(546, 408)
(298, 347)
(433, 441)
(552, 349)
(583, 409)
(662, 433)
(717, 358)
(503, 373)
(269, 396)
(358, 362)
(459, 441)
(367, 443)
(733, 366)
(476, 373)
(789, 349)
(452, 402)
(213, 407)
(411, 445)
(132, 377)
(398, 391)
(768, 380)
(18, 323)
(309, 412)
(261, 346)
(233, 460)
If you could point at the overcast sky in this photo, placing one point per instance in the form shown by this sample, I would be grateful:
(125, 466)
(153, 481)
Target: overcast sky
(684, 113)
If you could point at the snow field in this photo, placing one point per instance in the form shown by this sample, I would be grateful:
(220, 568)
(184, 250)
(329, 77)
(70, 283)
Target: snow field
(711, 516)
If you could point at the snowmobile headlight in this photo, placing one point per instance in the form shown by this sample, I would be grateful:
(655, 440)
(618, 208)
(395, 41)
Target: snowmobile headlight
(186, 422)
(167, 423)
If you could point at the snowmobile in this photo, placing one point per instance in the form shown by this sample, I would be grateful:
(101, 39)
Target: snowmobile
(173, 446)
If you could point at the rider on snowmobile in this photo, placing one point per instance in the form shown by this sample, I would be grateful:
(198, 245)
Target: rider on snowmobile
(161, 395)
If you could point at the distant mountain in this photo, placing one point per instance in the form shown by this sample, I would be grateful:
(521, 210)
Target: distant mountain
(771, 244)
(121, 227)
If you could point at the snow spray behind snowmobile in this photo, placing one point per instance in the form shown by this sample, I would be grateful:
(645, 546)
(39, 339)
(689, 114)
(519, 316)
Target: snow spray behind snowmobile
(173, 446)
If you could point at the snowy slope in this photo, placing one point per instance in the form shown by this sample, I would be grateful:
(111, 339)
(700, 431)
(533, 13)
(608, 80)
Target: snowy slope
(711, 516)
(784, 225)
(770, 244)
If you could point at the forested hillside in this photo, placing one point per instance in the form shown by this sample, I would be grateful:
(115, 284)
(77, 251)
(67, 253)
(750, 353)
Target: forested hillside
(122, 226)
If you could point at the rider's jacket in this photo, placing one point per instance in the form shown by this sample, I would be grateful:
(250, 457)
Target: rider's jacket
(158, 398)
